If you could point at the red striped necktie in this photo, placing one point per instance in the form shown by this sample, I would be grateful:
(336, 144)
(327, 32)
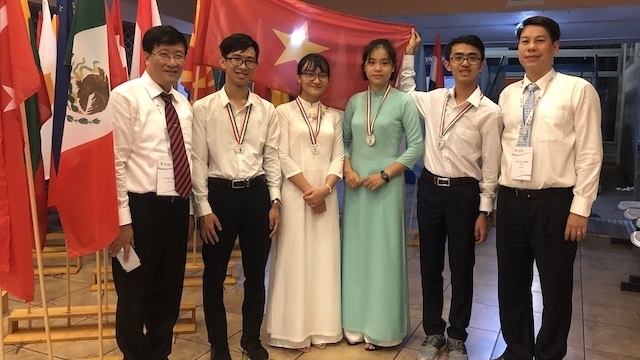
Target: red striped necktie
(181, 173)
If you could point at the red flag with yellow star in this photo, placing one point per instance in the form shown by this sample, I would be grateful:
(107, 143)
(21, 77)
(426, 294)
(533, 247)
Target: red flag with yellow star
(287, 30)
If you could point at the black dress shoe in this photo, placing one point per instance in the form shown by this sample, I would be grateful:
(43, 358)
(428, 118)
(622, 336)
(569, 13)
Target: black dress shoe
(220, 354)
(254, 349)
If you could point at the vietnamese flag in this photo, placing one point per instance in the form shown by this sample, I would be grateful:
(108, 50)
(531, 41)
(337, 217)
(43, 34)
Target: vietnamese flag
(19, 79)
(287, 30)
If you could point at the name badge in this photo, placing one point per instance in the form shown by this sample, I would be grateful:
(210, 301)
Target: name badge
(165, 184)
(522, 163)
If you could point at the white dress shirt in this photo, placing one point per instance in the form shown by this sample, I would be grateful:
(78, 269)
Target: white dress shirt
(472, 144)
(141, 138)
(214, 143)
(566, 136)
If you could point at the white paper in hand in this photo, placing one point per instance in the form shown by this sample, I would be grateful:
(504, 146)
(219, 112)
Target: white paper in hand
(132, 263)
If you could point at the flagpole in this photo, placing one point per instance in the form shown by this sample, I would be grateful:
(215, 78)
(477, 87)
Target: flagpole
(1, 329)
(36, 226)
(99, 284)
(68, 270)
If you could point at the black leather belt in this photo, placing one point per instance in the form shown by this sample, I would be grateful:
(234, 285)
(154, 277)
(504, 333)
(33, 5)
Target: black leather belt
(445, 182)
(536, 194)
(239, 184)
(160, 198)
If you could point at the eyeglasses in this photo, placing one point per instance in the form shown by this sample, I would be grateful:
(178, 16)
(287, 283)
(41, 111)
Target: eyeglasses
(312, 76)
(235, 61)
(165, 57)
(459, 59)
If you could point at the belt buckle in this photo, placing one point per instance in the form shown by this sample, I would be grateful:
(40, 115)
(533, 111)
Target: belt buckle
(522, 193)
(446, 182)
(239, 184)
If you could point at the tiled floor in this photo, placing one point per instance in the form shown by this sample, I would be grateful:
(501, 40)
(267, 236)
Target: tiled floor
(606, 321)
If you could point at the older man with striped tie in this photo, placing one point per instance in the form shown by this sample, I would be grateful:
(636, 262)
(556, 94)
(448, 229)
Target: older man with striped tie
(551, 159)
(152, 142)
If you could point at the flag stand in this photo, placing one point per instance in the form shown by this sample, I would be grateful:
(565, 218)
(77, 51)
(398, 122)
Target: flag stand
(36, 226)
(2, 327)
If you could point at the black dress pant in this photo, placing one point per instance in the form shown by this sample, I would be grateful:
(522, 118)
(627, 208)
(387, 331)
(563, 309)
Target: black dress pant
(149, 296)
(527, 230)
(447, 215)
(243, 213)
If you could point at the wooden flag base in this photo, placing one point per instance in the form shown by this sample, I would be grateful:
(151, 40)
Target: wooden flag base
(413, 238)
(17, 335)
(55, 252)
(189, 280)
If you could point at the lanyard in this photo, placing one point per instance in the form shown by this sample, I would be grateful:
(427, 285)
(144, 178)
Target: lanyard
(313, 134)
(442, 130)
(370, 121)
(239, 133)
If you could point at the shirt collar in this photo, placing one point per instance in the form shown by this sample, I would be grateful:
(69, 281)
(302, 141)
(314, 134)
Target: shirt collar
(224, 98)
(542, 82)
(308, 105)
(473, 99)
(153, 88)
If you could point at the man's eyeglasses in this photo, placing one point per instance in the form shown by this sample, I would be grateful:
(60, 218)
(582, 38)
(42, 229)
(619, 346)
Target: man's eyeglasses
(459, 59)
(165, 57)
(235, 61)
(312, 76)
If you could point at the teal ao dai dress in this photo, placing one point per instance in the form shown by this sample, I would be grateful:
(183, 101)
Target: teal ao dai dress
(375, 299)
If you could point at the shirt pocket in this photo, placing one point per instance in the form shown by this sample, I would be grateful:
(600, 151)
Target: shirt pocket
(554, 125)
(465, 142)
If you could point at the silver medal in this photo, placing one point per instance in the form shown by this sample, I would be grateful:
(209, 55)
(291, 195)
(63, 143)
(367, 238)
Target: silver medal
(315, 148)
(371, 139)
(239, 148)
(440, 143)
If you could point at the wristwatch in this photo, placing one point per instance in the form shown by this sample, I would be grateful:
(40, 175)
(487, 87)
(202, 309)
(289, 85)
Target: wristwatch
(486, 214)
(384, 176)
(276, 201)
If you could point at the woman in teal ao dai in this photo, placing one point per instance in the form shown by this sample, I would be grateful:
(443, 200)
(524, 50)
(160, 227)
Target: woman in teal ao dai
(375, 300)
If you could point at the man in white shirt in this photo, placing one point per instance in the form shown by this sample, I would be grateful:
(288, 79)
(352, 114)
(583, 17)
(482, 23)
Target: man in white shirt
(552, 154)
(456, 189)
(152, 142)
(236, 182)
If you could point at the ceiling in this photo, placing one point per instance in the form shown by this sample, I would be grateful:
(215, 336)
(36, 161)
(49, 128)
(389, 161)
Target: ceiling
(580, 26)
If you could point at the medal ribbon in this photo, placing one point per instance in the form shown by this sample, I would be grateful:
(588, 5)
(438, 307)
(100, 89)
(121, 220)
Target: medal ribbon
(239, 133)
(313, 134)
(371, 122)
(442, 130)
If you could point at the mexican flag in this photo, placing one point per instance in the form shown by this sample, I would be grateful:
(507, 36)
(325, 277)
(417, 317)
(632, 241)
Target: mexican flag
(86, 185)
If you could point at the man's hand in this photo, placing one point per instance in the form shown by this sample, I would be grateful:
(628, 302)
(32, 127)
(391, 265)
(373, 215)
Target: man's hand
(274, 219)
(316, 195)
(576, 228)
(352, 179)
(207, 231)
(191, 228)
(481, 229)
(373, 181)
(123, 241)
(414, 42)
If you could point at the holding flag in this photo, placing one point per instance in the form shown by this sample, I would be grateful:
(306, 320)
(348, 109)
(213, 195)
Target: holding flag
(436, 77)
(86, 187)
(294, 29)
